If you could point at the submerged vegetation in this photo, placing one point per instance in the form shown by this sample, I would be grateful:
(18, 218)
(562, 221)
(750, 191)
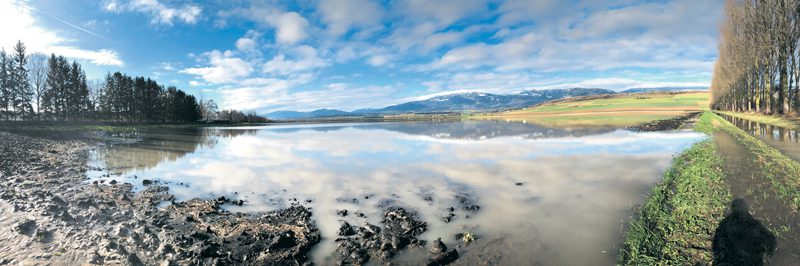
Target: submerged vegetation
(610, 110)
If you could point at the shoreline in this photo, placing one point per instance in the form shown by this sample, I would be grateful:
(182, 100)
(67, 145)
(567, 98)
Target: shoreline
(53, 214)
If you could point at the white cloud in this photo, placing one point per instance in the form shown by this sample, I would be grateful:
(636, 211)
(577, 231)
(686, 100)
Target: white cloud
(343, 15)
(161, 13)
(515, 11)
(442, 12)
(290, 27)
(102, 57)
(278, 94)
(679, 34)
(224, 68)
(379, 60)
(195, 83)
(40, 40)
(245, 44)
(305, 58)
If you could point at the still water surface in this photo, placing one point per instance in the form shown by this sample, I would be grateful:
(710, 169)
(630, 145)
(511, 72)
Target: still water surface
(547, 196)
(783, 139)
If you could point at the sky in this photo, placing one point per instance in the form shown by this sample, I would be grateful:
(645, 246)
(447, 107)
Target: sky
(349, 54)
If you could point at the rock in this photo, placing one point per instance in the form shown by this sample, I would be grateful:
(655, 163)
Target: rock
(437, 246)
(342, 213)
(346, 230)
(147, 182)
(518, 184)
(443, 258)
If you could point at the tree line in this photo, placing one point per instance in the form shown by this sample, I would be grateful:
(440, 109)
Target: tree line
(59, 90)
(758, 68)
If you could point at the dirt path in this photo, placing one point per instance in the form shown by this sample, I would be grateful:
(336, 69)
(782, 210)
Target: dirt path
(743, 169)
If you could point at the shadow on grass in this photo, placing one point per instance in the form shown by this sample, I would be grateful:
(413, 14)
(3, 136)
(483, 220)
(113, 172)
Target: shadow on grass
(740, 239)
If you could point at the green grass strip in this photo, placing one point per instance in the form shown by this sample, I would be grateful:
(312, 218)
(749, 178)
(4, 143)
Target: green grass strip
(677, 221)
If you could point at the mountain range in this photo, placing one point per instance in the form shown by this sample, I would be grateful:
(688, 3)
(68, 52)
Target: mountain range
(470, 101)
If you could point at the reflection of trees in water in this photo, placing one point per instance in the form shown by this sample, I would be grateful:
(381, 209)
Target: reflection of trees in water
(740, 239)
(469, 130)
(163, 144)
(769, 131)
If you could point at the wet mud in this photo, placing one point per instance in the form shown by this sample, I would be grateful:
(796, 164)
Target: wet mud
(50, 214)
(756, 206)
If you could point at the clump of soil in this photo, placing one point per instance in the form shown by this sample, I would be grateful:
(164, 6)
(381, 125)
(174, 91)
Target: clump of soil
(401, 229)
(53, 214)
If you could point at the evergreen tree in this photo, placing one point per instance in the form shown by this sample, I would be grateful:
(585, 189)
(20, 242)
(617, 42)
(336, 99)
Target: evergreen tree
(21, 91)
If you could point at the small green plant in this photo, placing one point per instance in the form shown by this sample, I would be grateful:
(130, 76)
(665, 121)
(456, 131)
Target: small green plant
(468, 237)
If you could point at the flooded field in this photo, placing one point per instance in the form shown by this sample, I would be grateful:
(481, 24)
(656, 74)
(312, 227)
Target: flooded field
(531, 195)
(783, 139)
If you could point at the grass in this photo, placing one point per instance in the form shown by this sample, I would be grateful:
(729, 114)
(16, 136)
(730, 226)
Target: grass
(596, 120)
(675, 225)
(677, 221)
(764, 119)
(617, 110)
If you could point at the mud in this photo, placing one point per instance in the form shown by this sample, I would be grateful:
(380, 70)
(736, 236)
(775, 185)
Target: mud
(666, 124)
(400, 230)
(50, 214)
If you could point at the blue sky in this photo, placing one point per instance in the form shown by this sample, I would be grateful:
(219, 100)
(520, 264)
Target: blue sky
(350, 54)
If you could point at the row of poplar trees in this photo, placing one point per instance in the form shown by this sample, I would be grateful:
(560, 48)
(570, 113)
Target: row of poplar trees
(758, 68)
(51, 88)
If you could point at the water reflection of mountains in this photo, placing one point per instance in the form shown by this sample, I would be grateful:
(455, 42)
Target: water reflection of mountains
(169, 144)
(466, 130)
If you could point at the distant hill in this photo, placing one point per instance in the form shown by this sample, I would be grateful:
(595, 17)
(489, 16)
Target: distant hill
(478, 101)
(470, 101)
(302, 115)
(670, 89)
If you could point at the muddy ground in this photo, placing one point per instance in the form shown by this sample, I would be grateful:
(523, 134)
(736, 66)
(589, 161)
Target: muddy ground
(51, 214)
(666, 124)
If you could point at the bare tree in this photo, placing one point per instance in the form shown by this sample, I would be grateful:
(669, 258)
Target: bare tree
(37, 66)
(757, 67)
(95, 91)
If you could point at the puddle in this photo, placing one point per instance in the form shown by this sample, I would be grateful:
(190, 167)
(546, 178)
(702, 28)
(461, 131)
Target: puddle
(544, 195)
